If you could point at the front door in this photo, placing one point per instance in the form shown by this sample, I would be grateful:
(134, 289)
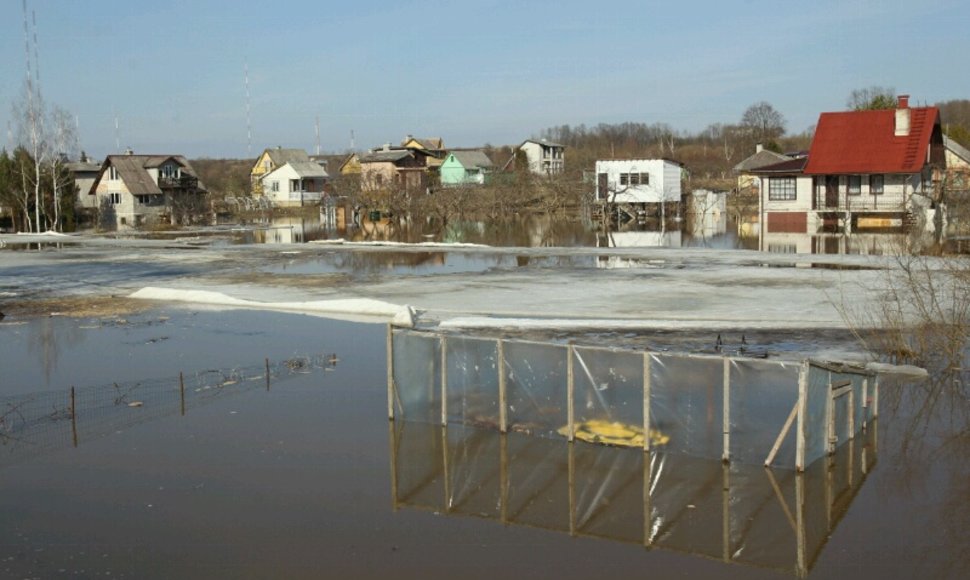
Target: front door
(602, 186)
(832, 191)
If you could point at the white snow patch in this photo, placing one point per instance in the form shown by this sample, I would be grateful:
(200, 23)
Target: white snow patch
(361, 307)
(621, 324)
(446, 245)
(908, 370)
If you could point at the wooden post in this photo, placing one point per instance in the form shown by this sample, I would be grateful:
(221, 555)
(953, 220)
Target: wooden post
(444, 380)
(801, 568)
(267, 374)
(830, 436)
(504, 477)
(726, 511)
(726, 412)
(73, 416)
(503, 414)
(802, 411)
(392, 438)
(182, 392)
(782, 435)
(571, 466)
(647, 504)
(865, 403)
(444, 461)
(390, 372)
(851, 415)
(875, 399)
(646, 403)
(570, 387)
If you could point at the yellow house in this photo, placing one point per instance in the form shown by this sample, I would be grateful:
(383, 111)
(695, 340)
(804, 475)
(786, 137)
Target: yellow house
(270, 160)
(432, 147)
(351, 165)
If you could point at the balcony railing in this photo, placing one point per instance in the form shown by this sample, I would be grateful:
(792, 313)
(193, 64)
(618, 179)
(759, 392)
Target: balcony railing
(885, 202)
(181, 182)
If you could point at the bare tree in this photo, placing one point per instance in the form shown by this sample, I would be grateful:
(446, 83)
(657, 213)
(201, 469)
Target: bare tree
(763, 122)
(872, 98)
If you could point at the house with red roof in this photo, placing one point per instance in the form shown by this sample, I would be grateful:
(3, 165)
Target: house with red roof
(865, 169)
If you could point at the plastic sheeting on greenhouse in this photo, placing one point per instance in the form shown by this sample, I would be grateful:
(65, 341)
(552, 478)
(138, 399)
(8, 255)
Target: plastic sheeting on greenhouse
(740, 514)
(752, 411)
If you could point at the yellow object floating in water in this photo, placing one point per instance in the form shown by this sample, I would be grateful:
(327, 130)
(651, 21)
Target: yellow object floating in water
(614, 433)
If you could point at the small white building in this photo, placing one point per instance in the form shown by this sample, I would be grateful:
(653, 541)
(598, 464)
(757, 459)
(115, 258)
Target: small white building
(295, 183)
(544, 158)
(638, 181)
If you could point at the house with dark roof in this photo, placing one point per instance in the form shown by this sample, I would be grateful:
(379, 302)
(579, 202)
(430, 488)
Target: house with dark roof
(271, 159)
(748, 181)
(465, 167)
(136, 190)
(393, 169)
(295, 184)
(84, 173)
(865, 169)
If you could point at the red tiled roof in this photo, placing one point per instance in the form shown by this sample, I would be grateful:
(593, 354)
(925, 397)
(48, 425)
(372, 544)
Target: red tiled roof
(865, 142)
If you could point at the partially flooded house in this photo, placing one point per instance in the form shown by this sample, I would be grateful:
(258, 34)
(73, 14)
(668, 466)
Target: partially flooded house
(632, 188)
(295, 183)
(393, 169)
(142, 190)
(543, 157)
(271, 159)
(865, 170)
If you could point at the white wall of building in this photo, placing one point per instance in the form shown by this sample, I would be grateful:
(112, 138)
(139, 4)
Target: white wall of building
(663, 184)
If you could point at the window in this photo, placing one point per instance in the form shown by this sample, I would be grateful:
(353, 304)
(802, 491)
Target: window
(113, 173)
(876, 184)
(854, 184)
(114, 198)
(644, 179)
(781, 189)
(169, 170)
(634, 179)
(275, 186)
(624, 179)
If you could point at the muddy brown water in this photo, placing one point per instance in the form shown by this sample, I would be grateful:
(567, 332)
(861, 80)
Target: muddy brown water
(302, 480)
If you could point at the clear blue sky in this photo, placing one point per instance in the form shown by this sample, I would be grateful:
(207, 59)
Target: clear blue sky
(470, 71)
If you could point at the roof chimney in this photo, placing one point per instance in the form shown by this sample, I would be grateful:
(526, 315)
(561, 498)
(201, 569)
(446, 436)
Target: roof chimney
(129, 151)
(758, 148)
(902, 116)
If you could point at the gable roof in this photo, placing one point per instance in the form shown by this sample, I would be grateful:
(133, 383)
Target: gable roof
(429, 143)
(308, 168)
(956, 149)
(473, 159)
(760, 159)
(543, 143)
(280, 156)
(866, 142)
(133, 170)
(391, 155)
(788, 166)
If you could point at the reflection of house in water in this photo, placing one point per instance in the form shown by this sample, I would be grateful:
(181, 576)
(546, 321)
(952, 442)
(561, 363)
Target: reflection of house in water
(290, 230)
(745, 515)
(707, 213)
(866, 244)
(634, 239)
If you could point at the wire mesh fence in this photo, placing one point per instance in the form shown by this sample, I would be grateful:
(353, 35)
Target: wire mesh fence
(778, 413)
(50, 419)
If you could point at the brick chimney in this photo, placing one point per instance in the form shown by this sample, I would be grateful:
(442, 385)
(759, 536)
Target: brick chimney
(902, 116)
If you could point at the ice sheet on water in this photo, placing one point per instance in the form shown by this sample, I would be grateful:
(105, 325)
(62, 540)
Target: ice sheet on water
(362, 307)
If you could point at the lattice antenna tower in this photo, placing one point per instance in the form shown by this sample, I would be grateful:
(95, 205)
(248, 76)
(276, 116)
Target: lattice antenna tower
(249, 119)
(317, 127)
(353, 147)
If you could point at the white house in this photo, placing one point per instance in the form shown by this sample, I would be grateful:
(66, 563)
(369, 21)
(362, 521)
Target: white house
(544, 158)
(865, 170)
(638, 181)
(295, 183)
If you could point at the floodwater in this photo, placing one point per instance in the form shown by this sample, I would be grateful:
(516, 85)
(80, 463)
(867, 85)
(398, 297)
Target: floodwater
(273, 458)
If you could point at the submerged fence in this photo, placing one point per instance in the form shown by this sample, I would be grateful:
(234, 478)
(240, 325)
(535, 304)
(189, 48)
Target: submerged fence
(752, 411)
(34, 422)
(735, 513)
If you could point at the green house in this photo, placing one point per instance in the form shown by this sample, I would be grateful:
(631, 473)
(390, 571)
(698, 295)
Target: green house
(465, 168)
